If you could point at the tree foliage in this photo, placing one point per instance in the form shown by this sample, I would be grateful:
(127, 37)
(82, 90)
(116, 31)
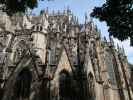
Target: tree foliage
(118, 14)
(13, 6)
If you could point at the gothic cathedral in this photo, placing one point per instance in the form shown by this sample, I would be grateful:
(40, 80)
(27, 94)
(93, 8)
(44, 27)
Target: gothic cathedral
(53, 57)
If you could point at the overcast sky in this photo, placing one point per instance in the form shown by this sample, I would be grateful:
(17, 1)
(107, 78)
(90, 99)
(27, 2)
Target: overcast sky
(79, 8)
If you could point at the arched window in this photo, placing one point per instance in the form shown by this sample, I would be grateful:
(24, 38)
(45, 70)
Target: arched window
(33, 28)
(19, 49)
(91, 87)
(37, 28)
(41, 28)
(64, 86)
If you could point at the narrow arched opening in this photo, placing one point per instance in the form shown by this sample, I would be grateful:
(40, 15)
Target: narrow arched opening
(23, 84)
(91, 87)
(65, 86)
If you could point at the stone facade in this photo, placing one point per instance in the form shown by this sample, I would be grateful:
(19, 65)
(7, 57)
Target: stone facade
(67, 60)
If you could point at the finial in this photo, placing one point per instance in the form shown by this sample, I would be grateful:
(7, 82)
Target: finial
(46, 12)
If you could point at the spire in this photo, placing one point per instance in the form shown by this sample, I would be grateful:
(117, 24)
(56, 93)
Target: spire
(41, 12)
(99, 31)
(91, 20)
(91, 23)
(96, 29)
(47, 10)
(58, 12)
(64, 12)
(111, 41)
(68, 10)
(72, 19)
(118, 48)
(123, 51)
(77, 21)
(53, 13)
(75, 18)
(105, 40)
(86, 18)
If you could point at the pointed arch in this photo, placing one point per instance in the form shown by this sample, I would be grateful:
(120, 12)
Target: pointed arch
(19, 48)
(21, 44)
(90, 75)
(64, 71)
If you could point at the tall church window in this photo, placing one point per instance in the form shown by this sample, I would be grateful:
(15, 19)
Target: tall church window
(110, 68)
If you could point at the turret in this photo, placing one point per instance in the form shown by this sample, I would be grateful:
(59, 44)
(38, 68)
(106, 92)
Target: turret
(68, 11)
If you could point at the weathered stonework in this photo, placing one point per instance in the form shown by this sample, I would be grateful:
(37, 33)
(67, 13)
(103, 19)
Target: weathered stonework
(67, 60)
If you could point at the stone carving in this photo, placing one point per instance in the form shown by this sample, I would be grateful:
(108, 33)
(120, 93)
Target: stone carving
(42, 39)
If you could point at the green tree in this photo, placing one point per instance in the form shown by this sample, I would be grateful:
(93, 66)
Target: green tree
(13, 6)
(118, 14)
